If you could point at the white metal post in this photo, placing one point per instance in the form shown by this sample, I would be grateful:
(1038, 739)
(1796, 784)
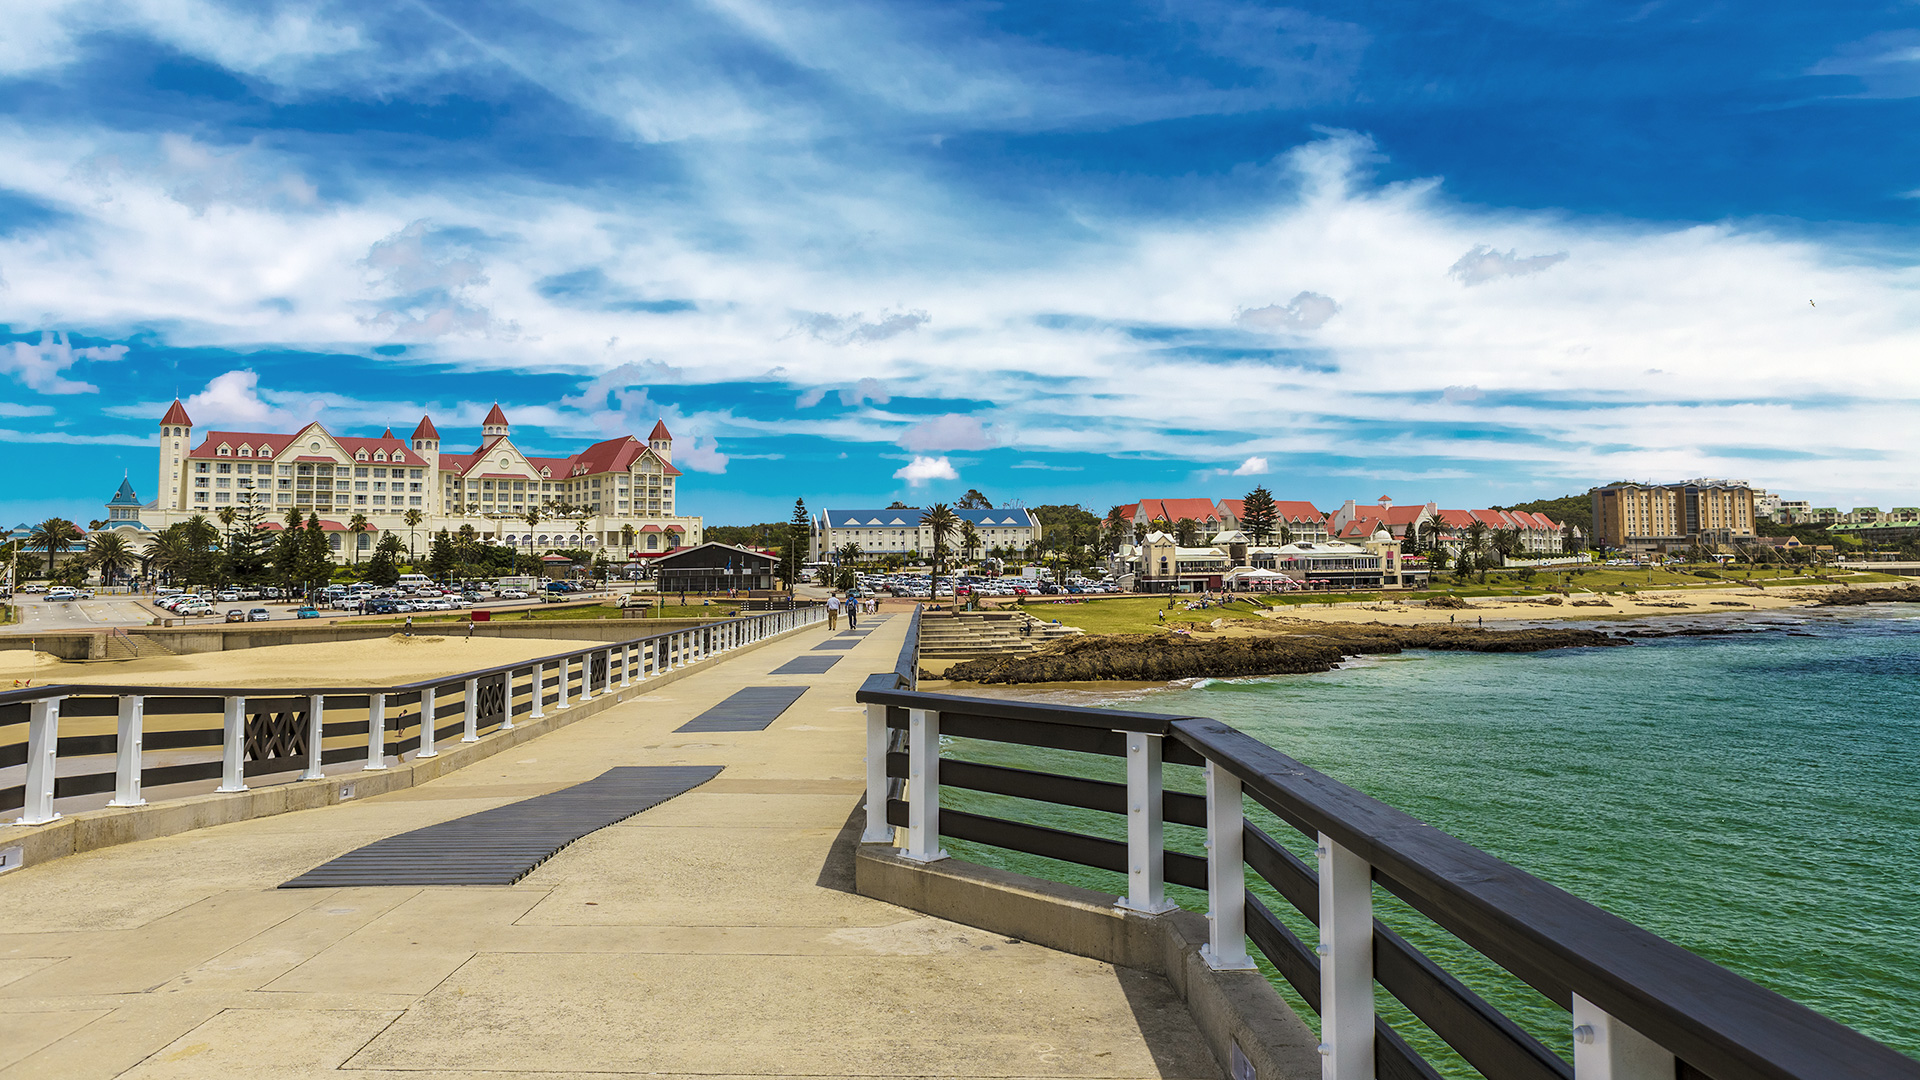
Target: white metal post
(43, 755)
(316, 730)
(471, 721)
(563, 683)
(376, 733)
(1346, 963)
(233, 747)
(1146, 828)
(1226, 947)
(1606, 1049)
(539, 693)
(428, 707)
(877, 831)
(126, 765)
(626, 665)
(923, 786)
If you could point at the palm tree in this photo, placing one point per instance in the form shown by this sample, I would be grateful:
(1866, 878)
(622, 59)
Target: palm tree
(627, 533)
(53, 536)
(532, 517)
(108, 552)
(969, 540)
(940, 520)
(849, 553)
(413, 518)
(357, 525)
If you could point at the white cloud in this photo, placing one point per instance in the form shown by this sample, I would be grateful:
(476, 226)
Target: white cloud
(810, 398)
(1307, 311)
(40, 367)
(233, 401)
(1253, 466)
(949, 432)
(698, 454)
(924, 469)
(865, 390)
(851, 330)
(1482, 264)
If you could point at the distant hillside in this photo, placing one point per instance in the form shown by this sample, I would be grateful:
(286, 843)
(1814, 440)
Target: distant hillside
(1577, 509)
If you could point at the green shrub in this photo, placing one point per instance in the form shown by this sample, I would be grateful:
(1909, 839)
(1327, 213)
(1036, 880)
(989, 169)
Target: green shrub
(1705, 574)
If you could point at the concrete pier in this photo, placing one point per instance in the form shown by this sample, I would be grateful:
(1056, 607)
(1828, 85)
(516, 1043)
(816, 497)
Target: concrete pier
(715, 935)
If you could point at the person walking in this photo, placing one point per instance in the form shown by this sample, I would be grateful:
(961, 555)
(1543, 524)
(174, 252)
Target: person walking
(853, 610)
(409, 626)
(833, 611)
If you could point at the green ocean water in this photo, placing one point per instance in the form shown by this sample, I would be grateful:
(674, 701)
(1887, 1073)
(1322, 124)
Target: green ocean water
(1751, 797)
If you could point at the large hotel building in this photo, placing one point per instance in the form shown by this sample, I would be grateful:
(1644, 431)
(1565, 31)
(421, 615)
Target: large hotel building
(1647, 517)
(589, 499)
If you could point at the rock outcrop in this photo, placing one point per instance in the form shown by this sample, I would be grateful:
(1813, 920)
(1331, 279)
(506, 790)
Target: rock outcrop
(1897, 594)
(1301, 649)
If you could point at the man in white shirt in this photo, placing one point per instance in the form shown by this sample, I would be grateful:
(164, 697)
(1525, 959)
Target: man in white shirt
(833, 611)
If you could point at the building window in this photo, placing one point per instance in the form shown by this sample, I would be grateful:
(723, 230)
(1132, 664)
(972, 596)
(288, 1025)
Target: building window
(360, 500)
(199, 466)
(286, 470)
(379, 500)
(223, 451)
(413, 500)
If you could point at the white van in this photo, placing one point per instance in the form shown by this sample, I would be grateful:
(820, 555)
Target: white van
(411, 582)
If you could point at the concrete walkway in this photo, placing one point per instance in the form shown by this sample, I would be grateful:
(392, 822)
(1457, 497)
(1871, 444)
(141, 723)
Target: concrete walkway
(715, 935)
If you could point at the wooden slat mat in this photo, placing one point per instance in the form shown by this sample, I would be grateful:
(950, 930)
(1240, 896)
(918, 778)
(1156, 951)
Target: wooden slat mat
(751, 709)
(806, 665)
(502, 845)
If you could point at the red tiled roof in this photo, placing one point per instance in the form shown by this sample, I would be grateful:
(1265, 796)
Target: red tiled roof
(177, 414)
(1176, 509)
(660, 432)
(649, 528)
(426, 430)
(255, 439)
(495, 416)
(1456, 519)
(1297, 511)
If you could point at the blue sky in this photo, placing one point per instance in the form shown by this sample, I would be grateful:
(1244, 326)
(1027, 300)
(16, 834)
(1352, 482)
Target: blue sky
(1476, 252)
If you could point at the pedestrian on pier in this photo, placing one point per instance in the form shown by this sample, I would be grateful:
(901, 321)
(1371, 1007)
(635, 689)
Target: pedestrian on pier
(409, 626)
(833, 611)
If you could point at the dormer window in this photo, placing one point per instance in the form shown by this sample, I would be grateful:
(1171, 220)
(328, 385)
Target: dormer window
(379, 455)
(245, 450)
(266, 451)
(398, 456)
(359, 455)
(224, 451)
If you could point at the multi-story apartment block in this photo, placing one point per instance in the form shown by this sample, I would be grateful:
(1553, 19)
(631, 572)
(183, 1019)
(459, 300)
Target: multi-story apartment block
(597, 498)
(1645, 517)
(899, 531)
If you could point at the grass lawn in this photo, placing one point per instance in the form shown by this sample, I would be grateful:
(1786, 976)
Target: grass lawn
(1130, 614)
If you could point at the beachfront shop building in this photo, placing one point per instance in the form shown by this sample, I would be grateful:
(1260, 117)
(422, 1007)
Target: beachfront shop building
(898, 531)
(619, 495)
(1231, 562)
(714, 568)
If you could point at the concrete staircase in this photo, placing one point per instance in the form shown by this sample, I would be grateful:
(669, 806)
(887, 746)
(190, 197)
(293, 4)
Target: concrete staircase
(117, 645)
(974, 634)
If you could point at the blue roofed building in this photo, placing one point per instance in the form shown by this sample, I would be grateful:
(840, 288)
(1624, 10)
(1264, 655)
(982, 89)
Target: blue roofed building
(899, 532)
(123, 510)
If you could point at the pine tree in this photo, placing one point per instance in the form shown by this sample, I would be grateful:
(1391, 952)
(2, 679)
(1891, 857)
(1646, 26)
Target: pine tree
(440, 556)
(799, 537)
(249, 544)
(316, 555)
(286, 550)
(384, 567)
(1257, 515)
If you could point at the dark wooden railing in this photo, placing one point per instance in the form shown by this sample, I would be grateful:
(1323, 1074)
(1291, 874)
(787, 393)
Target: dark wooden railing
(1641, 1007)
(163, 736)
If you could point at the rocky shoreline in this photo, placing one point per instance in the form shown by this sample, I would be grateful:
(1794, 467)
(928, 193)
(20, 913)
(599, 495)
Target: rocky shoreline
(1300, 649)
(1894, 594)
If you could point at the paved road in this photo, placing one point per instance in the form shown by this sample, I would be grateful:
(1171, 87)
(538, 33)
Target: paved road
(713, 936)
(39, 616)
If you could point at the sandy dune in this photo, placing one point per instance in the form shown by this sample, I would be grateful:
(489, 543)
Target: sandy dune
(379, 662)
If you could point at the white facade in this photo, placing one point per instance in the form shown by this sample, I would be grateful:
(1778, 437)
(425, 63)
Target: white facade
(586, 500)
(899, 532)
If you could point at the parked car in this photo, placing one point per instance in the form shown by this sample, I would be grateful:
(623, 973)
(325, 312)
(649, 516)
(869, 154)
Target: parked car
(236, 615)
(511, 594)
(259, 614)
(307, 613)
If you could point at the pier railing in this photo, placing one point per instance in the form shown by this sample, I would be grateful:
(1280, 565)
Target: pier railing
(160, 736)
(1639, 1007)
